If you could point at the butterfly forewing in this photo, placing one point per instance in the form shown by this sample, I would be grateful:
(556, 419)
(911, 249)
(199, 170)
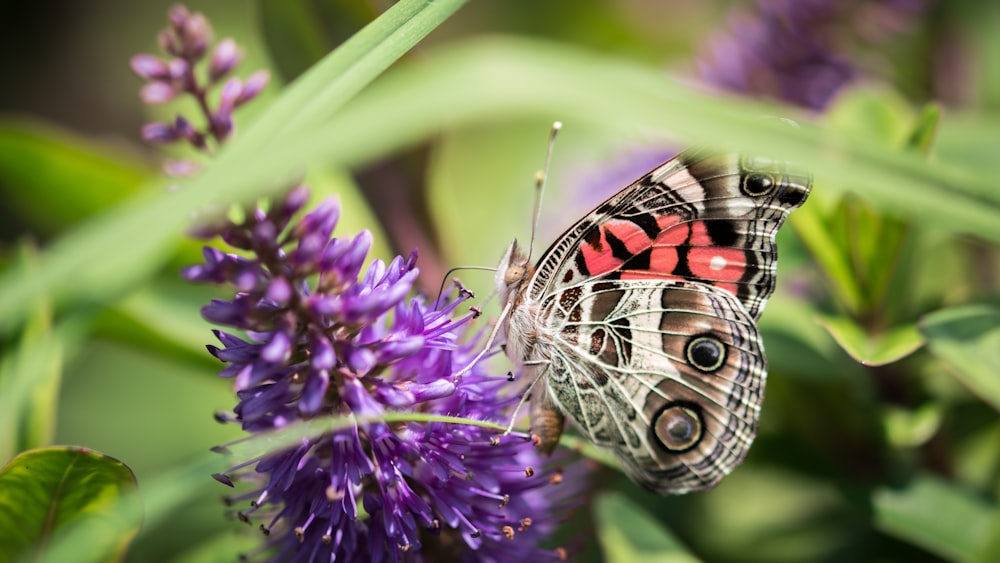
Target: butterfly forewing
(702, 216)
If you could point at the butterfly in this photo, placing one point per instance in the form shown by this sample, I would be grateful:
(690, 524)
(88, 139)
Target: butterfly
(639, 323)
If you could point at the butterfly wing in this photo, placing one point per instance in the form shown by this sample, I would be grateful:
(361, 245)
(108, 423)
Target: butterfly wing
(702, 216)
(669, 374)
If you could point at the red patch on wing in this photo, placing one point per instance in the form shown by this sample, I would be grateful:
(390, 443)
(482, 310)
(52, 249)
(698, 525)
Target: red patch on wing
(699, 235)
(672, 231)
(721, 266)
(599, 257)
(599, 261)
(631, 235)
(663, 254)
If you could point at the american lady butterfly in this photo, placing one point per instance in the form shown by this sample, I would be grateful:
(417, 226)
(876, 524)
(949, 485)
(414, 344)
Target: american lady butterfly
(639, 322)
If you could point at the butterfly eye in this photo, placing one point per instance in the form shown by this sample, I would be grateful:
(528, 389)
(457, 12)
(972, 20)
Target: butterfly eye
(513, 274)
(757, 185)
(706, 353)
(678, 427)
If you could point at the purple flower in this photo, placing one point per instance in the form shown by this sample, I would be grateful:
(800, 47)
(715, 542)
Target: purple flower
(799, 51)
(796, 51)
(186, 41)
(315, 333)
(322, 339)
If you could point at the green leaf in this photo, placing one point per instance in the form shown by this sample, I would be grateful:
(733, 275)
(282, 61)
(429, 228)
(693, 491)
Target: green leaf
(104, 255)
(810, 226)
(630, 535)
(75, 177)
(908, 428)
(871, 113)
(355, 213)
(869, 349)
(490, 80)
(29, 381)
(339, 76)
(968, 339)
(299, 32)
(467, 183)
(222, 548)
(45, 491)
(935, 515)
(990, 552)
(925, 130)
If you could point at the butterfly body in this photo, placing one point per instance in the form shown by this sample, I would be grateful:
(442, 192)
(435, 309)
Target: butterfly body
(640, 320)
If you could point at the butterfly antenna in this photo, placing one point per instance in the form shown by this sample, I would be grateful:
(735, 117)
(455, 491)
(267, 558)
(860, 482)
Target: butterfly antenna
(540, 178)
(447, 275)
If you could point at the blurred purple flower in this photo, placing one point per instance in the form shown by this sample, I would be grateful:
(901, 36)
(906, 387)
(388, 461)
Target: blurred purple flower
(800, 51)
(351, 344)
(186, 41)
(797, 51)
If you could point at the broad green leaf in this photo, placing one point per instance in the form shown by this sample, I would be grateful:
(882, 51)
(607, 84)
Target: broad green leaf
(870, 349)
(935, 515)
(45, 491)
(76, 177)
(968, 339)
(629, 535)
(160, 496)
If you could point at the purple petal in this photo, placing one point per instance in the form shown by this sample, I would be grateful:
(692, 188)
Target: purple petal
(225, 57)
(149, 67)
(278, 350)
(314, 392)
(159, 133)
(253, 86)
(157, 92)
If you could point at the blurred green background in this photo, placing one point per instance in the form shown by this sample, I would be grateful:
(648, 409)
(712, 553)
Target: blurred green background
(880, 437)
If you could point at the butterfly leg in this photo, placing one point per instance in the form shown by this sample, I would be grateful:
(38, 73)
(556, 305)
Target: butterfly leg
(526, 395)
(489, 342)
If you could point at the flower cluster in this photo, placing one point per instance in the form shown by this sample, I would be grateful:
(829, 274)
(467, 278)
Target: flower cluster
(316, 334)
(186, 41)
(352, 345)
(796, 50)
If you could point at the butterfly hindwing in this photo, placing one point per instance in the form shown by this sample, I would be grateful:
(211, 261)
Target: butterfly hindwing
(669, 374)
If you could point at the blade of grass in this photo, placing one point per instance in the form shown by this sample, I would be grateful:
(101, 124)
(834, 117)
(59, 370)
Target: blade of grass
(497, 79)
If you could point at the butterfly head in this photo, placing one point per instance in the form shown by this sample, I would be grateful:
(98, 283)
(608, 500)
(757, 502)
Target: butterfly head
(512, 271)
